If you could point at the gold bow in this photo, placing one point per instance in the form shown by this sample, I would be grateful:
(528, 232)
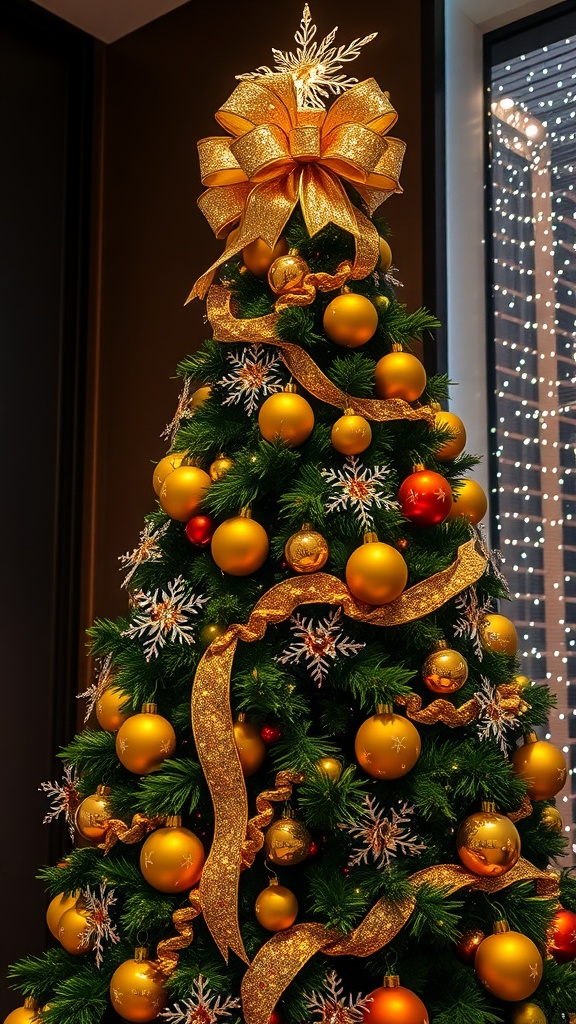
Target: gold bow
(278, 156)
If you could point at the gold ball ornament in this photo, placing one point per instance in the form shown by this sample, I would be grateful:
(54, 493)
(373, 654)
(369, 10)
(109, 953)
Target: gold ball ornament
(468, 943)
(306, 550)
(166, 465)
(108, 706)
(92, 814)
(498, 634)
(136, 988)
(276, 907)
(220, 467)
(199, 397)
(376, 573)
(172, 858)
(350, 320)
(249, 744)
(385, 258)
(508, 964)
(144, 741)
(488, 843)
(551, 819)
(287, 274)
(469, 501)
(259, 257)
(521, 681)
(286, 416)
(75, 931)
(183, 491)
(329, 766)
(287, 842)
(240, 545)
(399, 375)
(445, 670)
(394, 1004)
(387, 746)
(452, 448)
(527, 1013)
(541, 765)
(57, 907)
(25, 1014)
(351, 434)
(381, 302)
(210, 632)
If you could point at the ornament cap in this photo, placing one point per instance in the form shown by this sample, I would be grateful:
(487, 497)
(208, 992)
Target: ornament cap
(149, 708)
(397, 346)
(103, 790)
(488, 806)
(141, 953)
(384, 709)
(435, 406)
(500, 927)
(391, 981)
(348, 411)
(418, 467)
(241, 716)
(173, 821)
(288, 812)
(370, 538)
(290, 388)
(306, 526)
(440, 645)
(31, 1004)
(530, 737)
(245, 512)
(274, 880)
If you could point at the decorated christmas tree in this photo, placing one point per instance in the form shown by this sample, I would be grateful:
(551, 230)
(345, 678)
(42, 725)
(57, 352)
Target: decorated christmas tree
(309, 785)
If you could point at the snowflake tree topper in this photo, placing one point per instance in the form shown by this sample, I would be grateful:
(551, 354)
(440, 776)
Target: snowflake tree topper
(254, 372)
(64, 796)
(332, 1008)
(164, 616)
(318, 642)
(101, 928)
(358, 488)
(315, 65)
(201, 1007)
(381, 837)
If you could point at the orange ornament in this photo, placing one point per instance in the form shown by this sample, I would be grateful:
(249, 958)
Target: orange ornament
(286, 416)
(240, 545)
(144, 741)
(376, 573)
(75, 930)
(508, 964)
(394, 1004)
(350, 320)
(453, 447)
(351, 434)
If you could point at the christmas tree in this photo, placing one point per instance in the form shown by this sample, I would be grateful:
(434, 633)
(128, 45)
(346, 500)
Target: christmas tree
(309, 786)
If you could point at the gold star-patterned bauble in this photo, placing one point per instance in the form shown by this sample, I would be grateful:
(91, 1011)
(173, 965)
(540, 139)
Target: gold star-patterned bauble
(445, 670)
(527, 1013)
(137, 988)
(306, 550)
(387, 746)
(108, 708)
(488, 843)
(498, 634)
(286, 274)
(551, 819)
(376, 573)
(220, 467)
(400, 375)
(508, 964)
(351, 434)
(249, 744)
(26, 1014)
(541, 765)
(75, 930)
(286, 416)
(287, 841)
(259, 257)
(145, 740)
(92, 815)
(350, 320)
(276, 907)
(469, 501)
(240, 545)
(183, 491)
(172, 857)
(331, 767)
(455, 445)
(57, 908)
(166, 465)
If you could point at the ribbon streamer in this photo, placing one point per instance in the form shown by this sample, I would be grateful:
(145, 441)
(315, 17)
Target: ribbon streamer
(282, 791)
(118, 830)
(444, 711)
(168, 950)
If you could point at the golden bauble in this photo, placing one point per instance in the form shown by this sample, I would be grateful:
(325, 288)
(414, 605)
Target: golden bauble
(199, 397)
(351, 434)
(249, 744)
(497, 633)
(211, 631)
(376, 573)
(467, 945)
(381, 302)
(26, 1014)
(136, 989)
(551, 819)
(276, 907)
(522, 681)
(350, 320)
(469, 500)
(286, 416)
(75, 930)
(399, 375)
(541, 765)
(220, 467)
(144, 741)
(166, 465)
(387, 746)
(385, 258)
(450, 449)
(172, 858)
(306, 550)
(108, 706)
(444, 670)
(57, 907)
(287, 842)
(240, 546)
(488, 843)
(509, 965)
(92, 815)
(259, 257)
(330, 766)
(287, 274)
(527, 1013)
(394, 1004)
(183, 491)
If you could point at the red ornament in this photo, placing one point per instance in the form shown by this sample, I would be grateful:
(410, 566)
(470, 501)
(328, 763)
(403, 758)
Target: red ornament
(562, 942)
(271, 733)
(314, 850)
(199, 530)
(276, 1017)
(425, 498)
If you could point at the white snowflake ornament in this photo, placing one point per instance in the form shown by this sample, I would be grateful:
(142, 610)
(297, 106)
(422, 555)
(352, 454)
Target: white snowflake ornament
(64, 796)
(183, 411)
(331, 1007)
(164, 616)
(253, 376)
(471, 612)
(101, 928)
(318, 642)
(146, 551)
(94, 692)
(360, 489)
(201, 1007)
(495, 721)
(383, 835)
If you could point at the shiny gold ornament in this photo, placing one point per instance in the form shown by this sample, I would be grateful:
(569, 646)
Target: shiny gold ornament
(350, 320)
(351, 434)
(250, 745)
(552, 819)
(488, 843)
(259, 257)
(445, 670)
(240, 545)
(144, 741)
(376, 573)
(183, 491)
(329, 766)
(108, 706)
(394, 1004)
(470, 501)
(92, 814)
(522, 681)
(497, 633)
(508, 964)
(74, 930)
(306, 550)
(287, 274)
(136, 988)
(172, 858)
(399, 375)
(166, 465)
(211, 631)
(381, 302)
(57, 908)
(387, 746)
(467, 944)
(541, 765)
(220, 467)
(450, 449)
(26, 1014)
(287, 841)
(286, 416)
(276, 907)
(199, 397)
(527, 1013)
(385, 260)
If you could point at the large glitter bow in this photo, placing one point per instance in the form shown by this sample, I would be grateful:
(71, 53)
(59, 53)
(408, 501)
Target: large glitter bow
(278, 156)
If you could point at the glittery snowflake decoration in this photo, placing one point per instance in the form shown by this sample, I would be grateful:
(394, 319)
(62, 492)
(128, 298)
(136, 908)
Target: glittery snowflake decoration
(64, 798)
(147, 550)
(331, 1007)
(318, 642)
(358, 488)
(471, 612)
(101, 928)
(253, 375)
(95, 691)
(383, 835)
(495, 720)
(493, 556)
(183, 411)
(164, 616)
(201, 1007)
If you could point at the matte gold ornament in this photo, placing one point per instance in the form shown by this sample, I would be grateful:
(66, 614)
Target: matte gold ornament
(470, 501)
(57, 908)
(92, 815)
(286, 416)
(488, 843)
(145, 740)
(350, 320)
(74, 930)
(199, 397)
(287, 274)
(497, 633)
(240, 545)
(351, 434)
(400, 375)
(220, 467)
(376, 573)
(250, 745)
(211, 631)
(136, 988)
(108, 706)
(541, 765)
(306, 550)
(394, 1004)
(552, 819)
(329, 766)
(385, 260)
(287, 841)
(26, 1014)
(454, 447)
(508, 964)
(522, 681)
(276, 907)
(527, 1013)
(183, 491)
(172, 858)
(387, 746)
(166, 465)
(445, 670)
(259, 257)
(467, 944)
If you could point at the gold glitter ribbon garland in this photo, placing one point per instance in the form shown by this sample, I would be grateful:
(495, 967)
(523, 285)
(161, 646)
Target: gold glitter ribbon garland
(212, 715)
(168, 950)
(262, 329)
(265, 812)
(278, 961)
(118, 830)
(277, 156)
(444, 711)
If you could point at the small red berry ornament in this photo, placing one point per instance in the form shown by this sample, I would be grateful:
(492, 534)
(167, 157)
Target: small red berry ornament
(562, 944)
(314, 850)
(276, 1016)
(425, 497)
(271, 733)
(199, 530)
